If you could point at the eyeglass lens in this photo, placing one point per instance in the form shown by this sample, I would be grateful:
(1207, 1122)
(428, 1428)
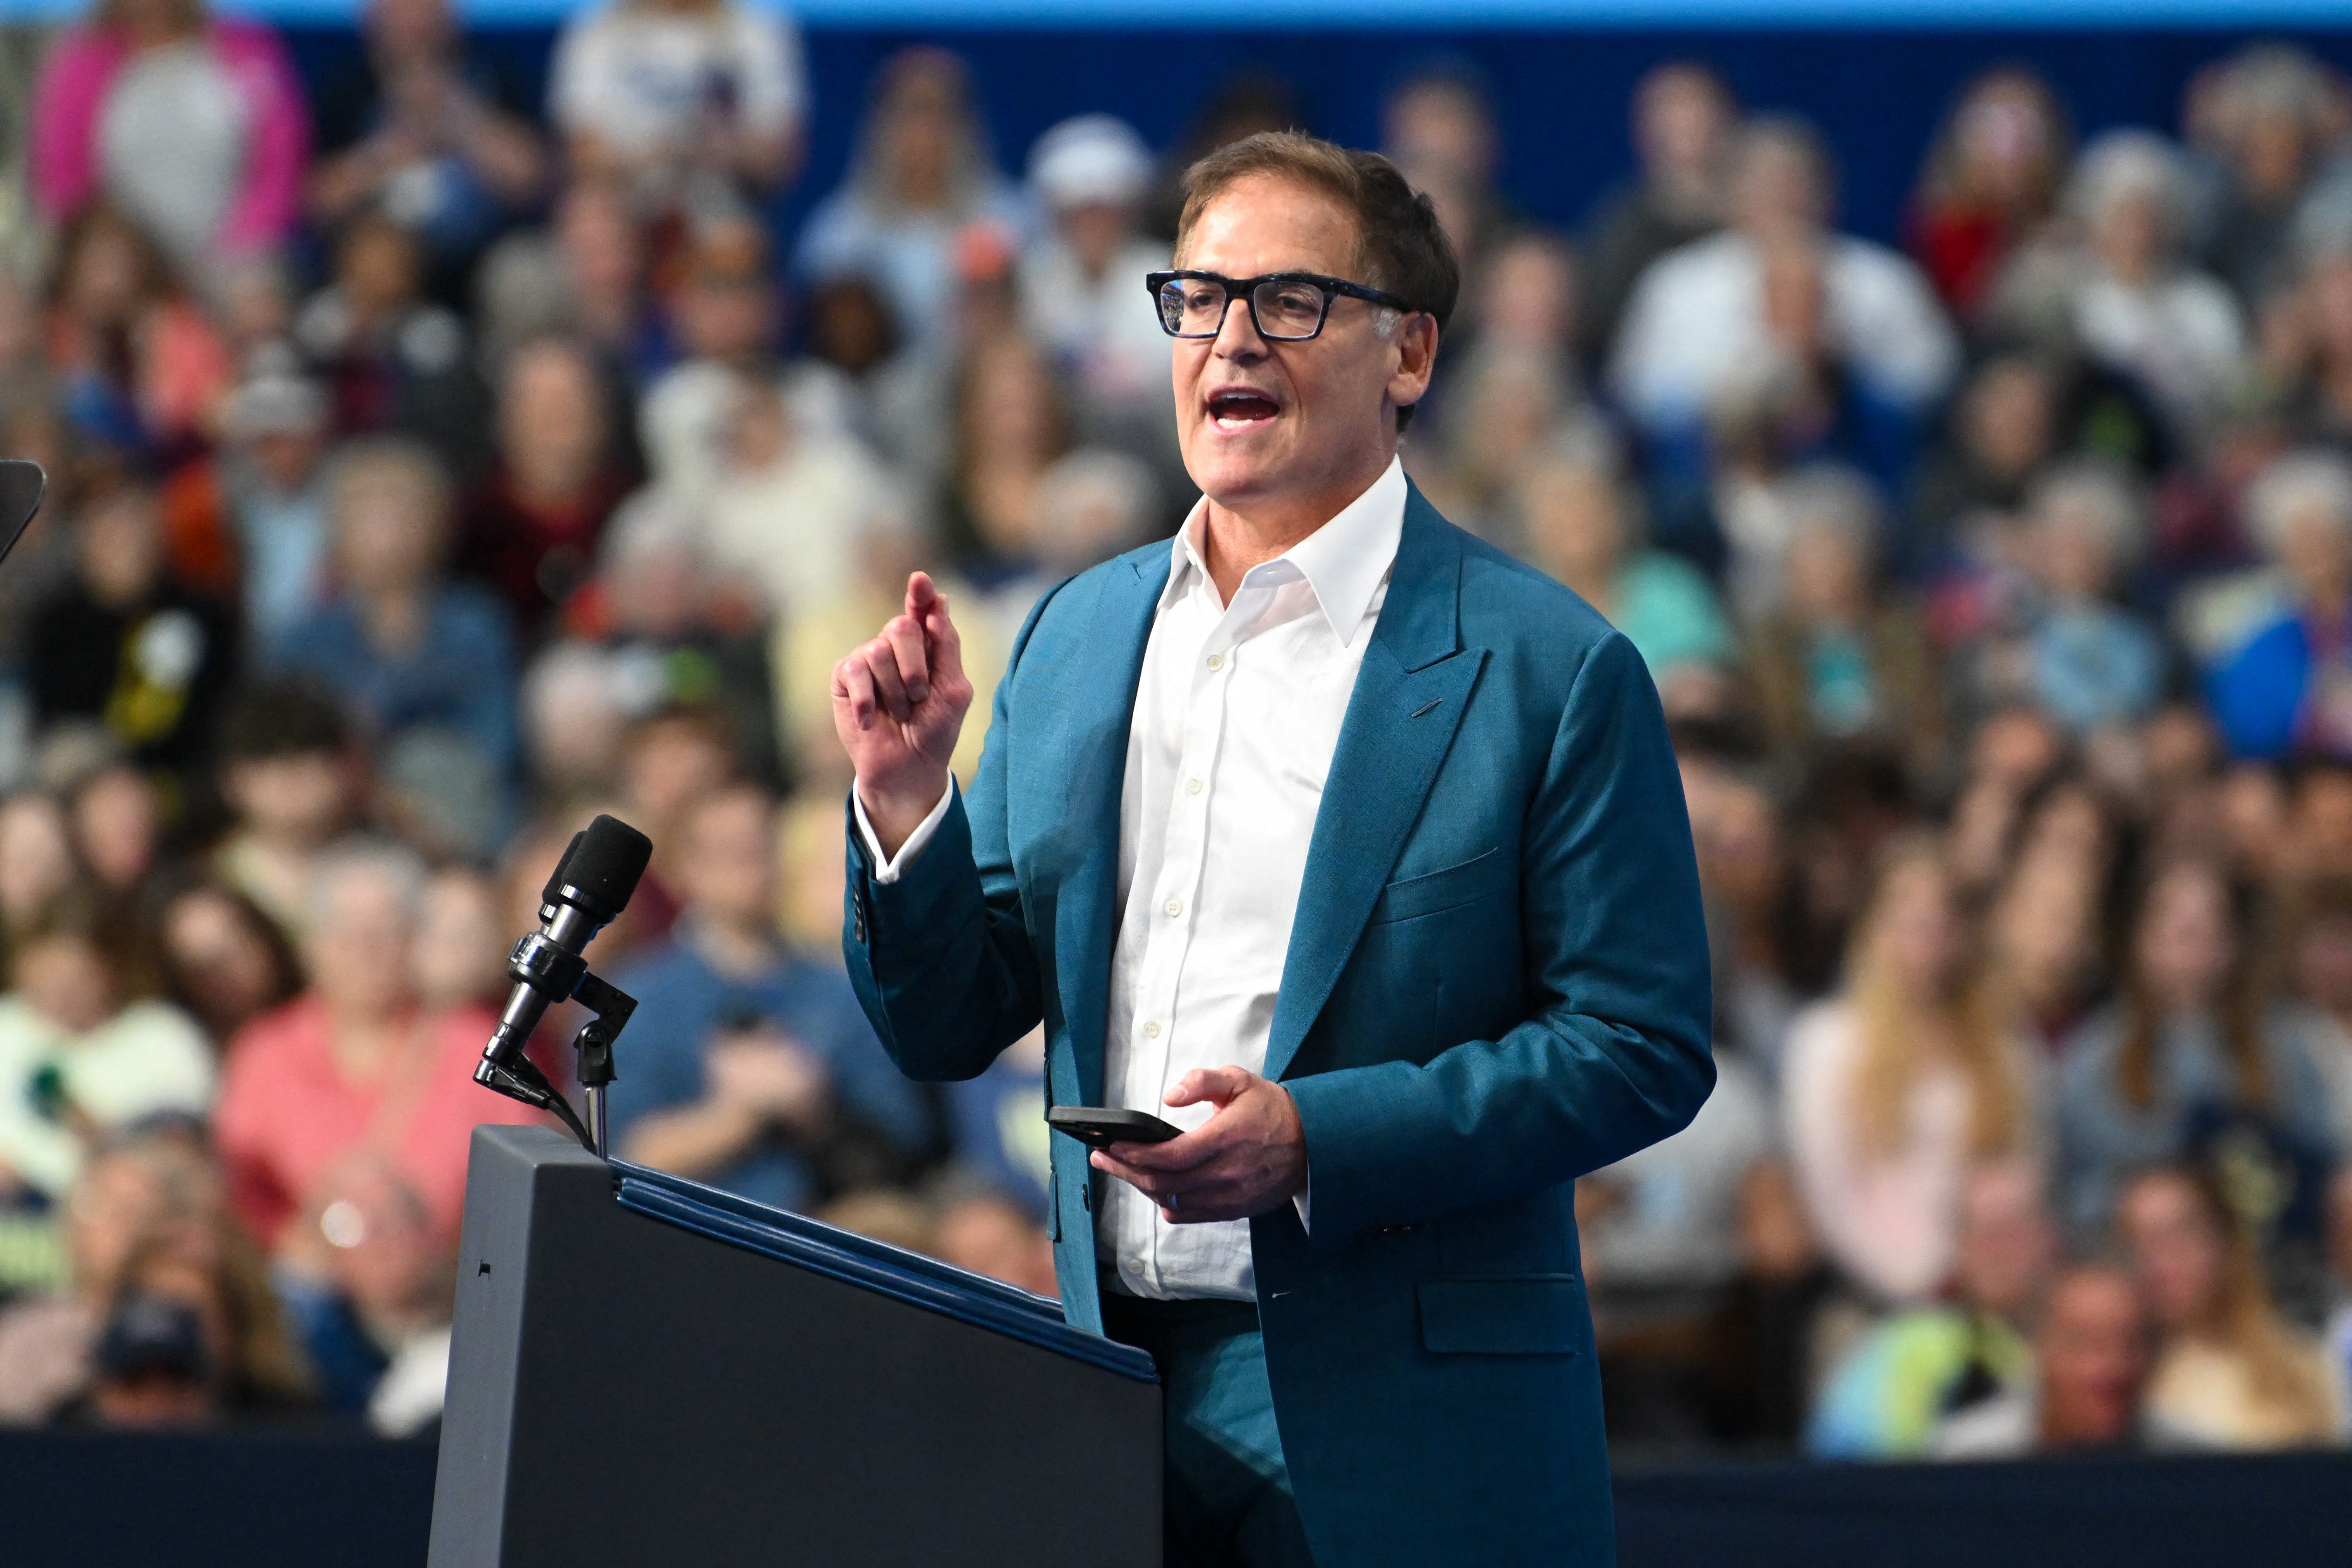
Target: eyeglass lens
(1195, 308)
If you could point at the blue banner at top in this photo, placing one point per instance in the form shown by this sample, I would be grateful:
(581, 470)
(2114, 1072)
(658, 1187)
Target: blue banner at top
(2329, 16)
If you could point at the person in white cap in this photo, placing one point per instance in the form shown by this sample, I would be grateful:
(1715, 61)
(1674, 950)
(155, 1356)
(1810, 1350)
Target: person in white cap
(274, 486)
(1080, 298)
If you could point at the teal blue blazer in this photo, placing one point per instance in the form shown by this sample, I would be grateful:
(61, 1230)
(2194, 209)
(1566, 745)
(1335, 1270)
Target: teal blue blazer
(1497, 981)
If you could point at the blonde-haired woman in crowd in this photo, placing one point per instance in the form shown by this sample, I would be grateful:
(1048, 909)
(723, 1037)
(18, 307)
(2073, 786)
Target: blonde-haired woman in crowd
(1895, 1088)
(2229, 1372)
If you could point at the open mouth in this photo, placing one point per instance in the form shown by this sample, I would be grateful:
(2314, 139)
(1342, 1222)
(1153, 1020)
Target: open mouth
(1238, 408)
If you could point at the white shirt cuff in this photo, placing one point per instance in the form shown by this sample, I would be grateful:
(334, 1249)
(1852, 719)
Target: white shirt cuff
(1306, 1202)
(887, 868)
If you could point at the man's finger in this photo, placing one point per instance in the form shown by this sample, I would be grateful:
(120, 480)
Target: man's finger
(1221, 1085)
(905, 636)
(945, 643)
(882, 662)
(921, 594)
(852, 683)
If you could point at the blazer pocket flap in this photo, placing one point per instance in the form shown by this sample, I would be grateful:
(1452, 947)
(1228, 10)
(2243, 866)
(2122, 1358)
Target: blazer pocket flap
(1533, 1314)
(1456, 885)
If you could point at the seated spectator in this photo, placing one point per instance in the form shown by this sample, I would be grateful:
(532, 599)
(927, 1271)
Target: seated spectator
(1896, 1087)
(255, 518)
(530, 528)
(791, 501)
(1896, 1393)
(291, 780)
(2189, 1058)
(2125, 295)
(82, 1052)
(693, 103)
(2002, 430)
(429, 132)
(462, 941)
(990, 1233)
(1788, 1310)
(37, 860)
(192, 1335)
(748, 1067)
(1683, 118)
(427, 664)
(2229, 1372)
(1093, 503)
(1572, 508)
(1515, 333)
(369, 1292)
(1079, 298)
(860, 376)
(1743, 852)
(1992, 184)
(583, 276)
(1663, 1223)
(2272, 116)
(2069, 649)
(123, 646)
(2315, 948)
(1438, 128)
(135, 1186)
(224, 962)
(671, 761)
(2042, 940)
(193, 124)
(2313, 376)
(1839, 660)
(2278, 683)
(922, 170)
(724, 314)
(2091, 1358)
(391, 360)
(1011, 423)
(357, 1061)
(118, 828)
(1699, 324)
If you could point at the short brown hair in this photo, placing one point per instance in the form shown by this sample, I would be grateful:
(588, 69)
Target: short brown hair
(1400, 245)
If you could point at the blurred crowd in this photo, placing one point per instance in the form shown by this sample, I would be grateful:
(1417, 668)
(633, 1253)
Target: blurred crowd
(434, 468)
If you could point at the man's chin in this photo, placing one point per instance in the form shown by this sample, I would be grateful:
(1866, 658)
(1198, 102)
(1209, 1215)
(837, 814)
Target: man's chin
(1229, 472)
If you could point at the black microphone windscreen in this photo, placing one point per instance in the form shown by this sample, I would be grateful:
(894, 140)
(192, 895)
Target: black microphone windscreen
(603, 864)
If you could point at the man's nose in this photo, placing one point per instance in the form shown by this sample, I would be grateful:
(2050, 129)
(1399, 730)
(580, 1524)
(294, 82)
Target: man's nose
(1237, 334)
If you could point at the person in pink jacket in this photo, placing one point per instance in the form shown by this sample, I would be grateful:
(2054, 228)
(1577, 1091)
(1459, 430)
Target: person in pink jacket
(191, 124)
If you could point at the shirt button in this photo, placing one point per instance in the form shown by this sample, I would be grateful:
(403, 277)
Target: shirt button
(1192, 787)
(1216, 661)
(1175, 908)
(1151, 1030)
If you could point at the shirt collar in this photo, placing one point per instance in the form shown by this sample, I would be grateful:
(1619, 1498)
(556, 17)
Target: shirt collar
(1344, 562)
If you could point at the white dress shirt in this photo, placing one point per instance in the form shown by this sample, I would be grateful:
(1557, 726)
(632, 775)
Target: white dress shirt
(1235, 721)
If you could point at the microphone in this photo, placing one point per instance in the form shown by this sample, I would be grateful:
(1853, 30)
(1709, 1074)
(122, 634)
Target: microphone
(592, 884)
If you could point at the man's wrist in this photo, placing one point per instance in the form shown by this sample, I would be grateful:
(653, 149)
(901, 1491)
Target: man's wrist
(894, 814)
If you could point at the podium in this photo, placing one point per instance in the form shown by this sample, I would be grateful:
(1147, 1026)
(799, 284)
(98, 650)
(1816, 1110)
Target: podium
(647, 1370)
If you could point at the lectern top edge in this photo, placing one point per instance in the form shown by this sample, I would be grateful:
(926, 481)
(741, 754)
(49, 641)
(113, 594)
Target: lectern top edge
(876, 1265)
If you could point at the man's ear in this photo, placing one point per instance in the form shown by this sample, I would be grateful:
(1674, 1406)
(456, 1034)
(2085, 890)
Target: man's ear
(1416, 343)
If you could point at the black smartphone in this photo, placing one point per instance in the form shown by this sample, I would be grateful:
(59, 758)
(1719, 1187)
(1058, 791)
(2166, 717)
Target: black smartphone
(1098, 1128)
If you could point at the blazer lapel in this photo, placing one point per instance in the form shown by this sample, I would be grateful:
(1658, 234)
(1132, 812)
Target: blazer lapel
(1092, 770)
(1408, 701)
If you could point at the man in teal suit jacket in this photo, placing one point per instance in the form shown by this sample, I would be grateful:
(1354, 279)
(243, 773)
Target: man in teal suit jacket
(1495, 974)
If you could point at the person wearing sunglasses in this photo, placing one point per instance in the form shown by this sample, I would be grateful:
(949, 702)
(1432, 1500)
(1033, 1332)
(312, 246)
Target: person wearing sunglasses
(1354, 850)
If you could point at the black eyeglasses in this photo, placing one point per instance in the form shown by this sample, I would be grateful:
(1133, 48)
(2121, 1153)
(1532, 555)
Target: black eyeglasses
(1285, 307)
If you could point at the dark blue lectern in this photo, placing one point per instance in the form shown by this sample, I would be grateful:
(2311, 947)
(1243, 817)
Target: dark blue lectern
(647, 1370)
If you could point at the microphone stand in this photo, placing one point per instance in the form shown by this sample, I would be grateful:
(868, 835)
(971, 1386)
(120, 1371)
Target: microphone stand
(519, 1078)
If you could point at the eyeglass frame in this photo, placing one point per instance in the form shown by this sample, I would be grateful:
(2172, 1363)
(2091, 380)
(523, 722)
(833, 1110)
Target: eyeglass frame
(1246, 288)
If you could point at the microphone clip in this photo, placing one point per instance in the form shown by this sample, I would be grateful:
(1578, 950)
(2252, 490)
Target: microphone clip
(518, 1078)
